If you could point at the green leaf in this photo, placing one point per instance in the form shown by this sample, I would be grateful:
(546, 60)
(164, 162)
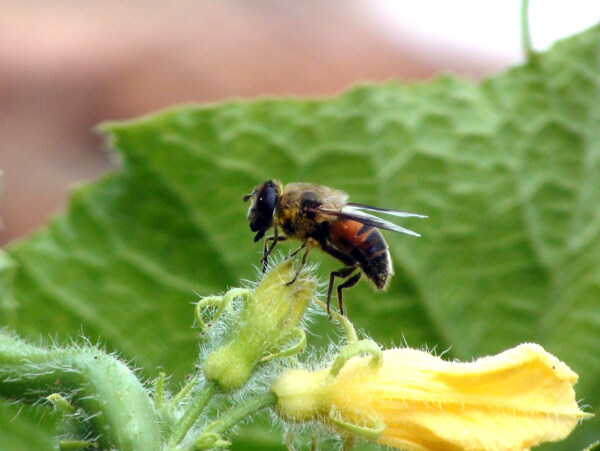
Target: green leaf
(24, 428)
(508, 171)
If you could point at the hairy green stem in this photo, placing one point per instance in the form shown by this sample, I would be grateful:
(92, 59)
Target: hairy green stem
(193, 411)
(159, 391)
(210, 435)
(119, 409)
(185, 390)
(242, 411)
(525, 30)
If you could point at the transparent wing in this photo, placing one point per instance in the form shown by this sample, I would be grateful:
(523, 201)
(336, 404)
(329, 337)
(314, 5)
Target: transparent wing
(355, 214)
(403, 214)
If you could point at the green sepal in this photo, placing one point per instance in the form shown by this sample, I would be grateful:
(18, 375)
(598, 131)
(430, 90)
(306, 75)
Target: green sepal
(352, 350)
(61, 404)
(372, 429)
(220, 302)
(296, 348)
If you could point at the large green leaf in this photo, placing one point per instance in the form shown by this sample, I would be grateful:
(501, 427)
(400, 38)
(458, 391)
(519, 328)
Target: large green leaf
(508, 171)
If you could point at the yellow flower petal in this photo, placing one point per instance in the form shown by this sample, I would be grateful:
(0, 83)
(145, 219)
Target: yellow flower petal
(511, 401)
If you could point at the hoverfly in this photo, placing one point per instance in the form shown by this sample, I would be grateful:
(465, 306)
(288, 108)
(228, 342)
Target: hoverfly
(321, 217)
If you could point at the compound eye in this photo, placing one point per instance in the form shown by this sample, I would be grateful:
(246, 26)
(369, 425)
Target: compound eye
(266, 201)
(262, 210)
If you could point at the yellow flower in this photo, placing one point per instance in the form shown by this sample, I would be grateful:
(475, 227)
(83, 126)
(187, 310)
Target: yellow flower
(511, 401)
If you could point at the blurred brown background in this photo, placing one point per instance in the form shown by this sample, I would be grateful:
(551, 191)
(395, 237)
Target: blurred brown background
(68, 65)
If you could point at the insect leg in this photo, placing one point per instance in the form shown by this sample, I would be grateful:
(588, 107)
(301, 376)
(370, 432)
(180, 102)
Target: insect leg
(342, 273)
(302, 263)
(347, 284)
(266, 252)
(296, 251)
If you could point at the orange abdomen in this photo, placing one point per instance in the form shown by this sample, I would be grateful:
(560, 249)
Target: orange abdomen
(366, 245)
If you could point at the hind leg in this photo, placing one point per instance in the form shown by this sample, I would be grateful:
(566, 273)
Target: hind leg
(347, 284)
(343, 273)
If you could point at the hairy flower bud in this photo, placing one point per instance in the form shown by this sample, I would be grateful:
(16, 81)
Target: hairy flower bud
(267, 321)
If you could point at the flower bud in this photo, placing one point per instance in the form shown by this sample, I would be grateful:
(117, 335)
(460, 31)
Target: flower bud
(268, 319)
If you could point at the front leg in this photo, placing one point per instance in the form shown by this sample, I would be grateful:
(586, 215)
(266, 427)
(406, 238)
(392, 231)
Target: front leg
(302, 262)
(268, 249)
